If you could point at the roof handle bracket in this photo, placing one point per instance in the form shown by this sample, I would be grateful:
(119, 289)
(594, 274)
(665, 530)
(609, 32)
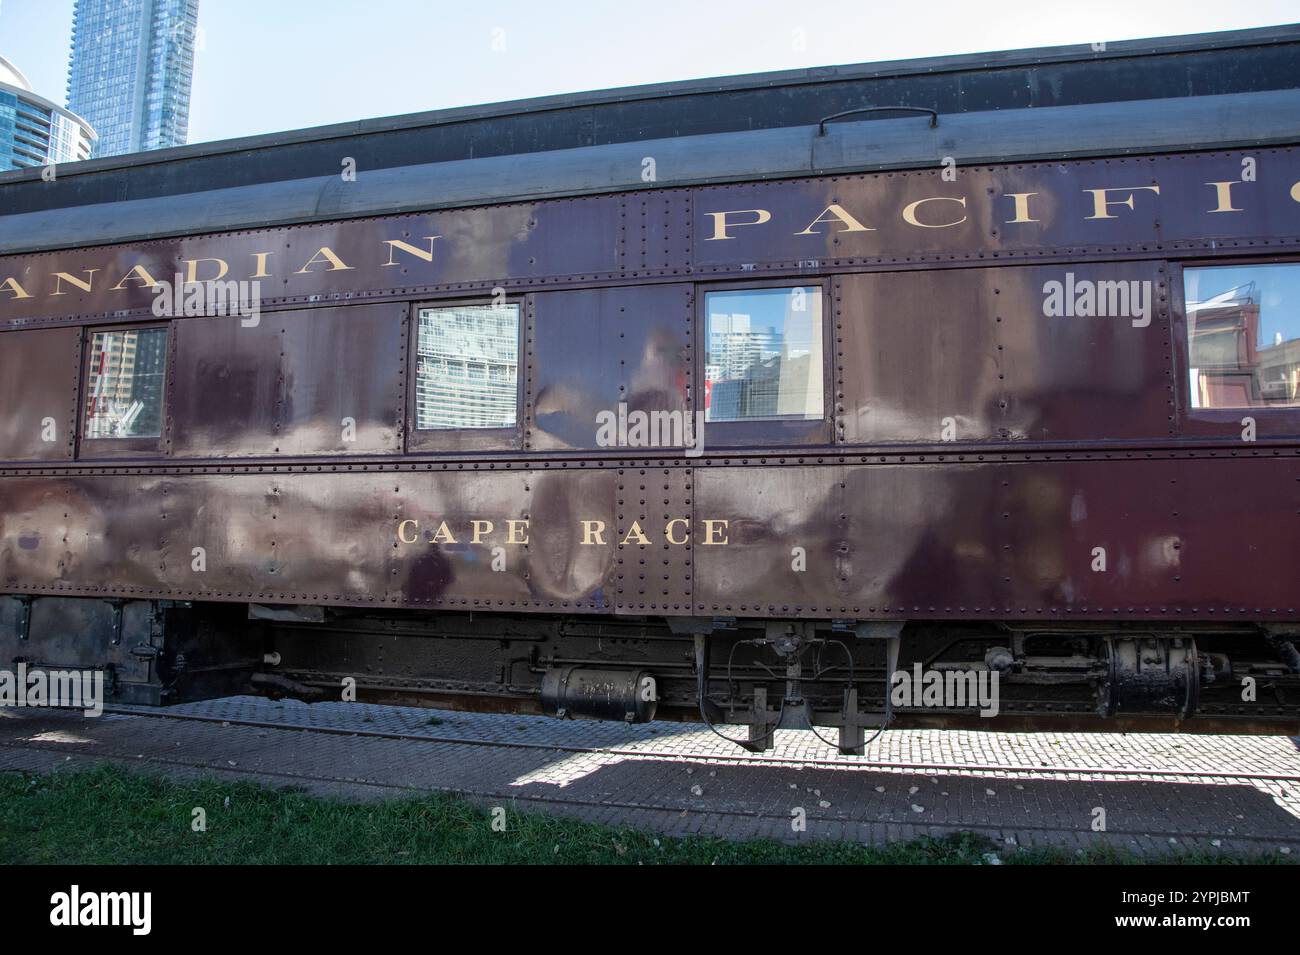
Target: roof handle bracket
(934, 114)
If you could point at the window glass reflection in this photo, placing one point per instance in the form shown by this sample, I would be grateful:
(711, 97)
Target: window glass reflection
(1243, 326)
(763, 358)
(124, 383)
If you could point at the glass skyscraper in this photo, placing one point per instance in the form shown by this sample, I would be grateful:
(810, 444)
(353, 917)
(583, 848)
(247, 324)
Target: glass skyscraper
(33, 131)
(130, 73)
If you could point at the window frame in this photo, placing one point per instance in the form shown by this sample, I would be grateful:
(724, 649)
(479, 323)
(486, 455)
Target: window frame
(124, 447)
(1192, 422)
(775, 433)
(463, 439)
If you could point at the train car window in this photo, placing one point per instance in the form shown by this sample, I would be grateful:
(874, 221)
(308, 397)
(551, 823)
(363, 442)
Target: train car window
(1243, 328)
(763, 354)
(467, 367)
(124, 383)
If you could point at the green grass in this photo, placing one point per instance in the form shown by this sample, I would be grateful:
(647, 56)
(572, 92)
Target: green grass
(111, 815)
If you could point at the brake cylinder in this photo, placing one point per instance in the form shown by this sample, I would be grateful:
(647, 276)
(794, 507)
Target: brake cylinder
(628, 696)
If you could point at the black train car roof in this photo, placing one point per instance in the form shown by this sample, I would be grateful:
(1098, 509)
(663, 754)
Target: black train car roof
(1205, 91)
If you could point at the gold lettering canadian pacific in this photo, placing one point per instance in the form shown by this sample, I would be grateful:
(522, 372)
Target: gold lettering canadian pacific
(869, 221)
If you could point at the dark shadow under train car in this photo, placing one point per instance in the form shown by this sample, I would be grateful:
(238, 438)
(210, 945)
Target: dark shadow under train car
(616, 407)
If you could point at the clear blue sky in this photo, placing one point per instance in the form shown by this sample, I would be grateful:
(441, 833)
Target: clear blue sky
(269, 65)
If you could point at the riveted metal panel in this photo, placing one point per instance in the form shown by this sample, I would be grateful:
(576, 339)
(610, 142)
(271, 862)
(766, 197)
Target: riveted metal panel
(91, 534)
(1081, 209)
(1265, 208)
(591, 351)
(970, 355)
(656, 229)
(1124, 537)
(302, 381)
(38, 521)
(253, 536)
(781, 548)
(520, 244)
(918, 531)
(848, 541)
(235, 523)
(331, 538)
(39, 371)
(305, 538)
(461, 528)
(656, 540)
(1237, 541)
(1130, 535)
(1083, 536)
(1138, 537)
(230, 394)
(511, 540)
(344, 372)
(564, 572)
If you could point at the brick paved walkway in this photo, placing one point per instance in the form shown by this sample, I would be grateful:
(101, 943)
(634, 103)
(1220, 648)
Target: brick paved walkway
(679, 778)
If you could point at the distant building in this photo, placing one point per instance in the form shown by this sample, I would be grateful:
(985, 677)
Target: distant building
(467, 371)
(742, 367)
(124, 382)
(736, 345)
(33, 131)
(130, 73)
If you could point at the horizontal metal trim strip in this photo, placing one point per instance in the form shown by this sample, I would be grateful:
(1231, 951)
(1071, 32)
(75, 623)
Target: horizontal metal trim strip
(825, 456)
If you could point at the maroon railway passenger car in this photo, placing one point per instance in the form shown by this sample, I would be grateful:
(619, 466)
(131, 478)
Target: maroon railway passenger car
(771, 401)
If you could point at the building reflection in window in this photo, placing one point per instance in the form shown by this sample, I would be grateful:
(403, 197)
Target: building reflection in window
(763, 354)
(467, 367)
(124, 383)
(1243, 326)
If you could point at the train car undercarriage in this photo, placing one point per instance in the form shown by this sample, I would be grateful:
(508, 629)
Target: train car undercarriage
(746, 678)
